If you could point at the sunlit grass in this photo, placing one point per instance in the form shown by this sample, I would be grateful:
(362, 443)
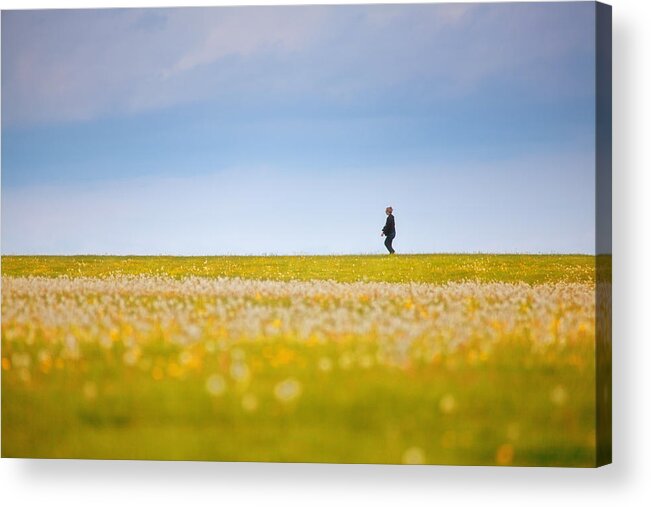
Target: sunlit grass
(426, 268)
(137, 358)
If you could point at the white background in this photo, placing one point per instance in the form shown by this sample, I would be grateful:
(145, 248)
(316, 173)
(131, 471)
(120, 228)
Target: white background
(626, 482)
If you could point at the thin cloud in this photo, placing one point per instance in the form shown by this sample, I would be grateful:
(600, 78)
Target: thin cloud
(61, 66)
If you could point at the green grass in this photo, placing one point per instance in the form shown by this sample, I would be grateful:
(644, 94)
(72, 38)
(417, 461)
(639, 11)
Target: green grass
(358, 416)
(512, 401)
(426, 268)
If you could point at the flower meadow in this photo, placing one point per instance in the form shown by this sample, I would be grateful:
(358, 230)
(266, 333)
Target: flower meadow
(153, 365)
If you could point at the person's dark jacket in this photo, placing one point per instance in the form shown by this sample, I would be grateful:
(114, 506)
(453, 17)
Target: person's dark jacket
(390, 227)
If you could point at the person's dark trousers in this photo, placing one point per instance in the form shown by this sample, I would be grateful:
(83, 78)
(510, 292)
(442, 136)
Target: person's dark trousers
(388, 242)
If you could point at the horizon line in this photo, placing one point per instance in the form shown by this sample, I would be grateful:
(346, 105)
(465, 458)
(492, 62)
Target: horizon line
(305, 255)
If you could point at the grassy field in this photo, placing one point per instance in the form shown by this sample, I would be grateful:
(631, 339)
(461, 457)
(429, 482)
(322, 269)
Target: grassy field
(441, 268)
(450, 359)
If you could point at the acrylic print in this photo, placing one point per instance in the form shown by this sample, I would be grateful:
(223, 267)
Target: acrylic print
(341, 234)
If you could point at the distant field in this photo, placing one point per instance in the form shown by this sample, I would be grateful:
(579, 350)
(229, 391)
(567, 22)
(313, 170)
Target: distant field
(483, 360)
(424, 268)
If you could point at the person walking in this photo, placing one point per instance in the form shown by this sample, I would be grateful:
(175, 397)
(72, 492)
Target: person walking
(389, 230)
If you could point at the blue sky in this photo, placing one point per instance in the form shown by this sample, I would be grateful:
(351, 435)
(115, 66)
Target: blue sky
(282, 130)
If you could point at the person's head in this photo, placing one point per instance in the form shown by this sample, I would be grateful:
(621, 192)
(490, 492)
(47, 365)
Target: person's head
(389, 210)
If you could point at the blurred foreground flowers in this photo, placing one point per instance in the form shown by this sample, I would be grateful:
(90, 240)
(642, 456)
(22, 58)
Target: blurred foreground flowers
(298, 370)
